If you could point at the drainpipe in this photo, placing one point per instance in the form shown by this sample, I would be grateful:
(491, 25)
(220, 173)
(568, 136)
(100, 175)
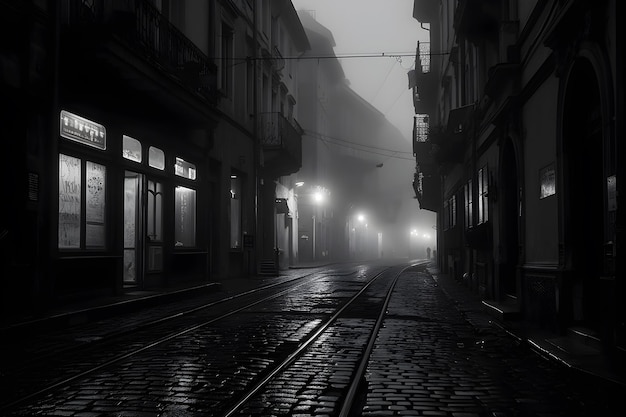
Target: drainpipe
(255, 136)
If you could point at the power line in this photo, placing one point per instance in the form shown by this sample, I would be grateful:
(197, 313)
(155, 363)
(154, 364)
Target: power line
(351, 145)
(394, 55)
(320, 135)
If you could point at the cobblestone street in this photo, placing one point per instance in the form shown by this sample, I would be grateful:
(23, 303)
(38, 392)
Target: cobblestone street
(438, 353)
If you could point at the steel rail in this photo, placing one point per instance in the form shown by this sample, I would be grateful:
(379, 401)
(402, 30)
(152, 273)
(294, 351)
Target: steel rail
(354, 386)
(169, 337)
(301, 348)
(123, 331)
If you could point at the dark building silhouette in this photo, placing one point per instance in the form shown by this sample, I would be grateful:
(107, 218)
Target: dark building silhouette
(519, 149)
(144, 143)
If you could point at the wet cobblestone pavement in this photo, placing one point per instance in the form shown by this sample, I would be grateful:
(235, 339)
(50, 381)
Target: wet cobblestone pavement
(437, 354)
(429, 360)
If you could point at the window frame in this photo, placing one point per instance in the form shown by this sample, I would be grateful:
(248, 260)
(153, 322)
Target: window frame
(483, 195)
(83, 217)
(468, 197)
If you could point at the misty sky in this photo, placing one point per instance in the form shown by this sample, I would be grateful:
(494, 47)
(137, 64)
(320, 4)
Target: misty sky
(374, 26)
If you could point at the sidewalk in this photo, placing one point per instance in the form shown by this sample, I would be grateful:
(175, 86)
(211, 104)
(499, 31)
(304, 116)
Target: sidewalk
(569, 350)
(95, 308)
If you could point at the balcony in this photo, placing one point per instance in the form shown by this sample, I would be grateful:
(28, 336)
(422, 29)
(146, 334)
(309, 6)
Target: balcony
(450, 144)
(281, 141)
(422, 147)
(427, 189)
(133, 42)
(423, 81)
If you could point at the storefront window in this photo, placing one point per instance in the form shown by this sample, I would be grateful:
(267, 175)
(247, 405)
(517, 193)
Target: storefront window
(235, 212)
(469, 205)
(69, 201)
(155, 215)
(95, 205)
(185, 217)
(131, 149)
(483, 192)
(156, 158)
(74, 186)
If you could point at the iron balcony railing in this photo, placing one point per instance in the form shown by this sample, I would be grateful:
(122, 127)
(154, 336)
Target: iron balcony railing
(423, 56)
(276, 133)
(152, 36)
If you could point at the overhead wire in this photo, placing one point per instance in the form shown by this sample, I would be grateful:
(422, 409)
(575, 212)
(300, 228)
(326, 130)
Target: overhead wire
(389, 153)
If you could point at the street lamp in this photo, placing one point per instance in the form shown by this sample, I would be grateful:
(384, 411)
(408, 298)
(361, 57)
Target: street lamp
(319, 198)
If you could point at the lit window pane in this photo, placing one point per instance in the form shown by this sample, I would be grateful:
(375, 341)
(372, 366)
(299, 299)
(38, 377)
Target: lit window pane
(185, 169)
(155, 204)
(69, 201)
(156, 158)
(185, 217)
(235, 212)
(95, 204)
(131, 149)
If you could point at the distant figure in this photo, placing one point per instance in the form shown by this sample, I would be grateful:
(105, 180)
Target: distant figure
(428, 253)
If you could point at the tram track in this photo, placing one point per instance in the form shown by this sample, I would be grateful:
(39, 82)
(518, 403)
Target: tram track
(114, 355)
(351, 391)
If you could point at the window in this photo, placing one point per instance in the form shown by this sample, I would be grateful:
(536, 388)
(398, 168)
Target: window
(156, 158)
(469, 210)
(226, 64)
(250, 79)
(449, 213)
(131, 149)
(235, 211)
(483, 191)
(453, 211)
(185, 169)
(185, 217)
(82, 208)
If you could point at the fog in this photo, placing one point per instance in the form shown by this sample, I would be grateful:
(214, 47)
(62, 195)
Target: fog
(358, 143)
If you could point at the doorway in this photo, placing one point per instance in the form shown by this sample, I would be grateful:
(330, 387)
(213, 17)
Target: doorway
(143, 230)
(511, 214)
(584, 172)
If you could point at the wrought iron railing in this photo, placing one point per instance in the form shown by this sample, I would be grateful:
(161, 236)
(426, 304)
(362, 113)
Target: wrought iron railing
(423, 56)
(276, 132)
(142, 26)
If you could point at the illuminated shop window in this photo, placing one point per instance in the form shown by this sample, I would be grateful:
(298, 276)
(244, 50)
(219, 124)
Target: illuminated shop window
(483, 192)
(185, 217)
(469, 205)
(185, 169)
(235, 211)
(81, 184)
(131, 149)
(156, 158)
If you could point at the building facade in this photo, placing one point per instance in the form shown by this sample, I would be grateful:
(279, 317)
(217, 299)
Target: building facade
(140, 156)
(524, 155)
(355, 164)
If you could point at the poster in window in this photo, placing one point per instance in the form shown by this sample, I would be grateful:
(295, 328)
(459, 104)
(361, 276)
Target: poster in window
(547, 178)
(69, 201)
(95, 199)
(185, 220)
